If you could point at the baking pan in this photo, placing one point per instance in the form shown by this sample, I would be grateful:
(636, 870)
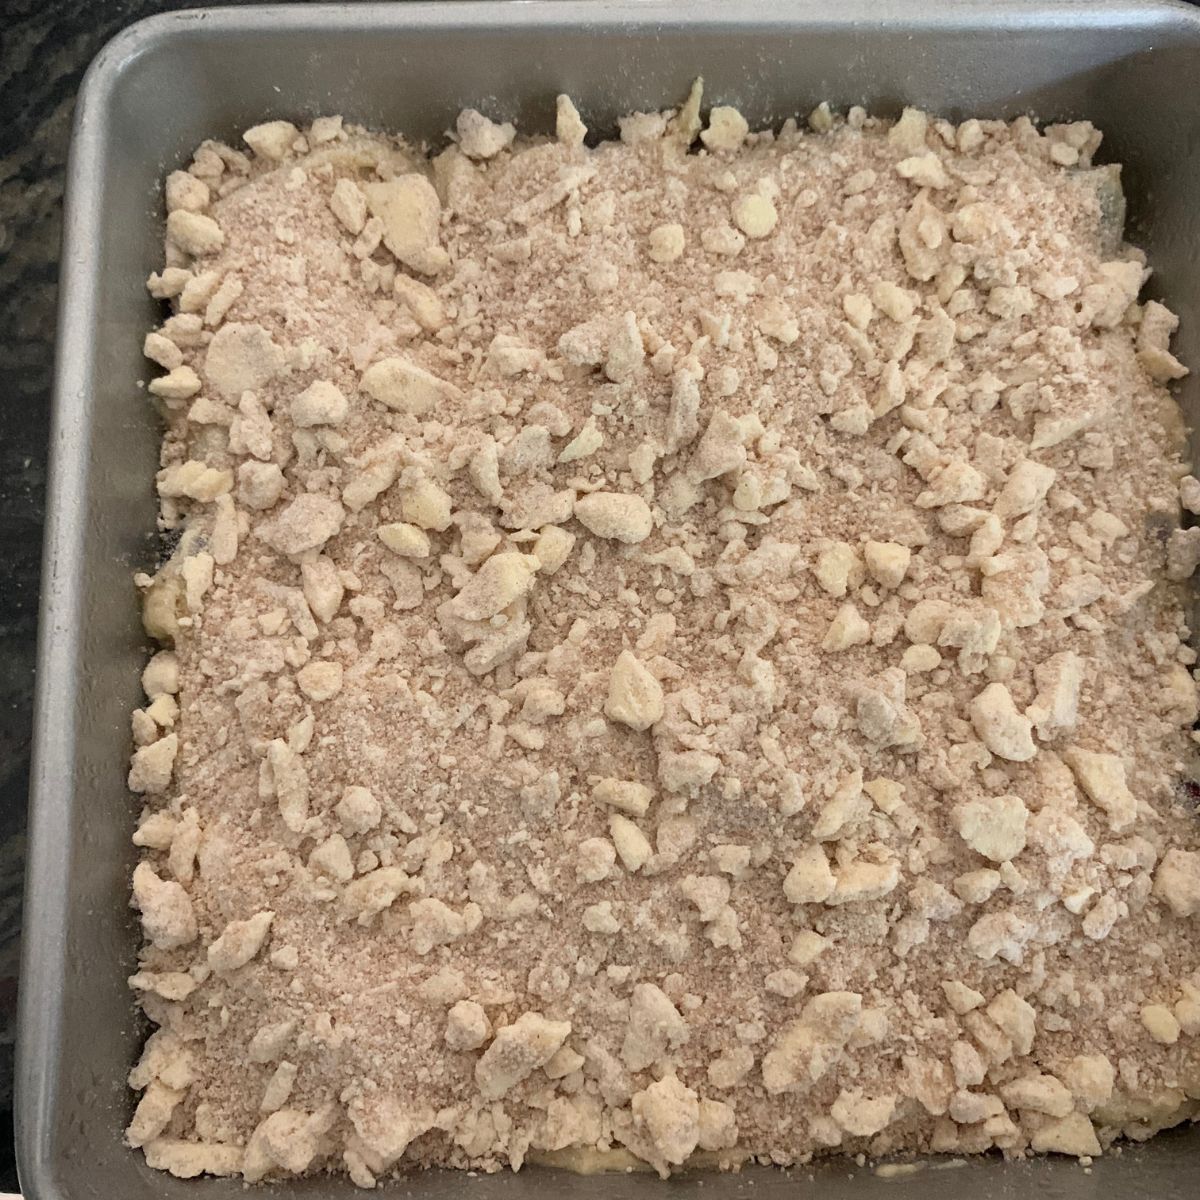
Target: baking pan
(165, 84)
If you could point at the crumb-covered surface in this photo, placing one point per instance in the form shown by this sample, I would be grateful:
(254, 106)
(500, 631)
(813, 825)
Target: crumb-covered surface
(670, 652)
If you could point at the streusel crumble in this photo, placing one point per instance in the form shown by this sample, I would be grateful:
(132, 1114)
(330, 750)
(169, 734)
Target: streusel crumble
(674, 648)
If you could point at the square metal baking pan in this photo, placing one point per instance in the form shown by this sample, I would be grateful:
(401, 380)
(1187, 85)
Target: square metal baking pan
(165, 84)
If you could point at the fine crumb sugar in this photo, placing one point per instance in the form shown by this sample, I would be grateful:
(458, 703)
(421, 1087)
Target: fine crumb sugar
(674, 652)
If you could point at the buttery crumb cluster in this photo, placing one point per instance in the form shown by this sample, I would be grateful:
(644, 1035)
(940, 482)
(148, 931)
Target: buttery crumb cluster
(674, 652)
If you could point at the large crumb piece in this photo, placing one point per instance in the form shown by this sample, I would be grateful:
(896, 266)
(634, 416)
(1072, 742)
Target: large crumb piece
(516, 1050)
